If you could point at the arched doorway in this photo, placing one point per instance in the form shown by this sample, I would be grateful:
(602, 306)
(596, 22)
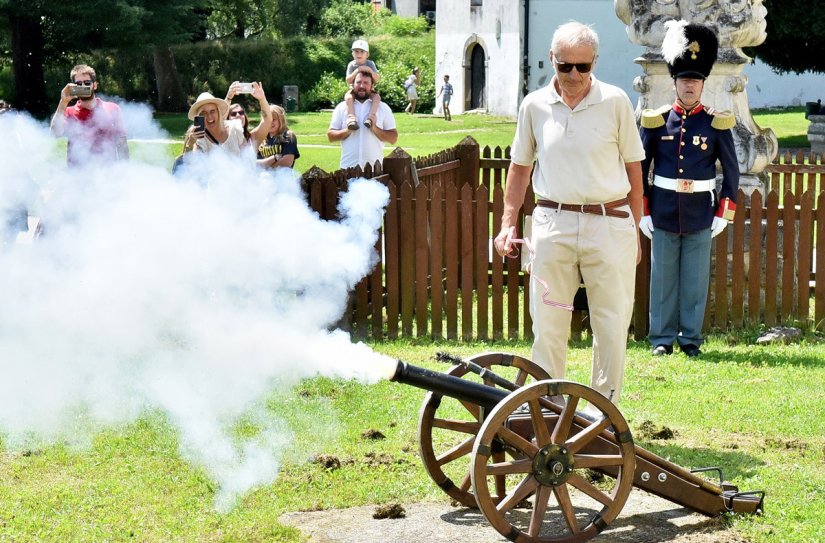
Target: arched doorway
(478, 77)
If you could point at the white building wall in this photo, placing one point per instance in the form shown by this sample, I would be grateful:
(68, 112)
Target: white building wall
(616, 53)
(457, 25)
(406, 8)
(496, 26)
(769, 89)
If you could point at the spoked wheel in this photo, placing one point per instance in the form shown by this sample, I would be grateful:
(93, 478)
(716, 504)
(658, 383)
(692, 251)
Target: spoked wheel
(447, 427)
(550, 453)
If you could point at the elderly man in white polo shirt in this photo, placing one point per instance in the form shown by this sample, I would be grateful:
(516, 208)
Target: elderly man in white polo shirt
(581, 135)
(362, 147)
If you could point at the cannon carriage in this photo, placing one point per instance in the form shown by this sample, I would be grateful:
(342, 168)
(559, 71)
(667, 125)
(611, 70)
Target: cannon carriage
(497, 434)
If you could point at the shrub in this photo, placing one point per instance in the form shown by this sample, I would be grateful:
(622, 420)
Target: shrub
(347, 18)
(406, 26)
(327, 92)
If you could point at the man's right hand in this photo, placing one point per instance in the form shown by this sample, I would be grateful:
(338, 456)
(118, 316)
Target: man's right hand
(502, 241)
(65, 96)
(334, 135)
(646, 226)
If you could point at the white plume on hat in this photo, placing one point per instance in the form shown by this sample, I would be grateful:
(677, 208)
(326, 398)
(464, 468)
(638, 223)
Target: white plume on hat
(675, 42)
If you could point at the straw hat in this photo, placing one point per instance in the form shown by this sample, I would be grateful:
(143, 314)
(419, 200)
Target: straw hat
(204, 99)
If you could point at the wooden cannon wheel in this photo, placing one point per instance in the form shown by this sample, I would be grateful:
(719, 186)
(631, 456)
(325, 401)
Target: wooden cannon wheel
(447, 428)
(548, 462)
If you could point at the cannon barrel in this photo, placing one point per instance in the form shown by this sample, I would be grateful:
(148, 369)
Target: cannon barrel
(448, 385)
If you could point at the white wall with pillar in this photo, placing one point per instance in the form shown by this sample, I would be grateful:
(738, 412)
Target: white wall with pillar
(484, 64)
(499, 28)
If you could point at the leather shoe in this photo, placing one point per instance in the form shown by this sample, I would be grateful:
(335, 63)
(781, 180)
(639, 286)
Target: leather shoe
(691, 350)
(661, 350)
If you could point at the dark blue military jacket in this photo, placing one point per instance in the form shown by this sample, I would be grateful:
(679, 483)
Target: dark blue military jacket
(686, 145)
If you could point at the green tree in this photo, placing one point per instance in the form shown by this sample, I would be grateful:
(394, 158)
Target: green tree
(41, 29)
(252, 18)
(796, 37)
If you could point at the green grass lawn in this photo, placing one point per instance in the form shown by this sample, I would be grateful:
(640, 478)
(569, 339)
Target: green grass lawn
(422, 134)
(789, 125)
(755, 411)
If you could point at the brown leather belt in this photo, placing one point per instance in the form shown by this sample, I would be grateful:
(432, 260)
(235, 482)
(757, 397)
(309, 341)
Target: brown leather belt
(593, 209)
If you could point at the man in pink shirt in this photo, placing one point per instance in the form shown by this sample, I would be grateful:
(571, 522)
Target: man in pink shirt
(93, 127)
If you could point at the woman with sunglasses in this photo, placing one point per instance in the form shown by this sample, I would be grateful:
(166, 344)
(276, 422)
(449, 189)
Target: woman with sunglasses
(238, 113)
(220, 132)
(280, 148)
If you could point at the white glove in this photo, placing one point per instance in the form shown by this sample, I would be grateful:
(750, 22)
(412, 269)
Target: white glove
(717, 226)
(646, 226)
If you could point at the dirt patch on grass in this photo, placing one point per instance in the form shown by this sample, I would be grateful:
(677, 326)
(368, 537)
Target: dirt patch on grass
(644, 517)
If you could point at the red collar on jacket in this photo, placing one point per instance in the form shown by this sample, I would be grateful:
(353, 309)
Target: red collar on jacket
(694, 110)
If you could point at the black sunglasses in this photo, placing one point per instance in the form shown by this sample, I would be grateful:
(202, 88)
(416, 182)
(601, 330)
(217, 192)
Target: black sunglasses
(237, 113)
(567, 67)
(87, 83)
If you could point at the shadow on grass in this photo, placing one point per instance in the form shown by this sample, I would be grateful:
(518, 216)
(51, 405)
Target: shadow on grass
(762, 356)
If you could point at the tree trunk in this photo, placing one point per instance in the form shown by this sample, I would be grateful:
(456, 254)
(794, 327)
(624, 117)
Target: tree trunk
(170, 91)
(27, 64)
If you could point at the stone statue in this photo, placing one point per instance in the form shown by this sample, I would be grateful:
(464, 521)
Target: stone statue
(738, 23)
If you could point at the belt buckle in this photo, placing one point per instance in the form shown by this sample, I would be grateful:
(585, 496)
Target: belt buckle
(684, 185)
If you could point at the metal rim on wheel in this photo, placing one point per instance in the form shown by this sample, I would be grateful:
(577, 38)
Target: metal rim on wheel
(550, 449)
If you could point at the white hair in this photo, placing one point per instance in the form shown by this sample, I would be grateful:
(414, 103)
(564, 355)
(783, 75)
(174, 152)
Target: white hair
(572, 34)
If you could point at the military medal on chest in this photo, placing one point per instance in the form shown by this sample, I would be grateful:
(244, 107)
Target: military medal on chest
(704, 145)
(695, 140)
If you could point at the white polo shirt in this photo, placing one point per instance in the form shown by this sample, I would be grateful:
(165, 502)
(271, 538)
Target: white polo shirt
(362, 147)
(580, 154)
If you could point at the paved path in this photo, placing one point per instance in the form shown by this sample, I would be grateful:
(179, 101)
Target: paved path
(644, 518)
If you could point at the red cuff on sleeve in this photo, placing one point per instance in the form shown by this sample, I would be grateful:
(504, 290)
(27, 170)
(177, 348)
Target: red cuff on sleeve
(727, 209)
(645, 206)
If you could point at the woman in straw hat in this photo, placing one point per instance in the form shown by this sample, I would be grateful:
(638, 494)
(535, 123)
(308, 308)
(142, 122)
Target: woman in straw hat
(222, 133)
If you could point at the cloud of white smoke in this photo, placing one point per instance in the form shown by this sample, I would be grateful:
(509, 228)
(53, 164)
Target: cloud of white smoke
(198, 296)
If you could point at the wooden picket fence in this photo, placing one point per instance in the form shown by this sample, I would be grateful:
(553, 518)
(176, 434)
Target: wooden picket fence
(438, 277)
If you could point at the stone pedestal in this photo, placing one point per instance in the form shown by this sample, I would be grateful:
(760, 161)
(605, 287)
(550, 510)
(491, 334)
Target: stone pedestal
(816, 133)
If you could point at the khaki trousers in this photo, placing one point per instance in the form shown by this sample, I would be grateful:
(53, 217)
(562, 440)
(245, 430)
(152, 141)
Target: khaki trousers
(570, 247)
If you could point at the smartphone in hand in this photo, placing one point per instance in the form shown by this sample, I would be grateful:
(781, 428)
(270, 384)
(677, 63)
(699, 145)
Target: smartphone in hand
(200, 123)
(80, 91)
(245, 88)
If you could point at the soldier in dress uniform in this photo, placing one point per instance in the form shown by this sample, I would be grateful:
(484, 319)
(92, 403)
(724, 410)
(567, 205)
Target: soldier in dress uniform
(683, 208)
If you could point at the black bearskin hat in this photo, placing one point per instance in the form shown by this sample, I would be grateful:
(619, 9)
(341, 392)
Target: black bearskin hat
(689, 49)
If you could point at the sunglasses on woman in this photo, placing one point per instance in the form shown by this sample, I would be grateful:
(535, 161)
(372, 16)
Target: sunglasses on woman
(237, 113)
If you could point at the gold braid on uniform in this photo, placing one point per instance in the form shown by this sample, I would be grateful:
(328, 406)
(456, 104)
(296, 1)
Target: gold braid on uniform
(723, 120)
(654, 118)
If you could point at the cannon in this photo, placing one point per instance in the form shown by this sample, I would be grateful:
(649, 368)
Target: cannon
(497, 434)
